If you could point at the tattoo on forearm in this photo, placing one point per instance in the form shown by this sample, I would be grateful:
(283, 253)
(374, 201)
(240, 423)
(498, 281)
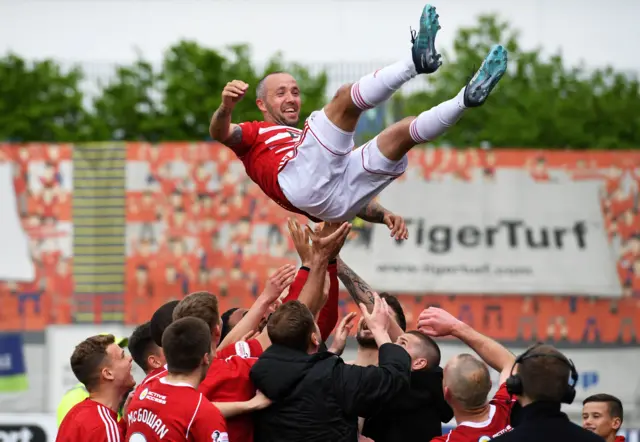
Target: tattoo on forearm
(221, 112)
(373, 213)
(359, 290)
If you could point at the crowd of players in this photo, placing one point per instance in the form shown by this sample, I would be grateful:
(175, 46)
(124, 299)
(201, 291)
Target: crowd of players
(266, 374)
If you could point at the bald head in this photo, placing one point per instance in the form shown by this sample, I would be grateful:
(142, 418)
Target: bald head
(467, 381)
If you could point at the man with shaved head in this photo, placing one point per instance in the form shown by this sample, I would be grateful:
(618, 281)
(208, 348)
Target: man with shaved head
(467, 382)
(316, 171)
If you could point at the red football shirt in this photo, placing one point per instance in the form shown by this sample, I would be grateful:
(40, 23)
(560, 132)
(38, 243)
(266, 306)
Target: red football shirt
(228, 381)
(153, 374)
(248, 349)
(265, 150)
(90, 421)
(173, 412)
(498, 422)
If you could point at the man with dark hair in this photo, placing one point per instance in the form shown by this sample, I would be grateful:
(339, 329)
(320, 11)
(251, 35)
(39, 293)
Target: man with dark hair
(149, 357)
(227, 377)
(160, 320)
(467, 382)
(542, 379)
(603, 414)
(105, 370)
(419, 412)
(316, 396)
(229, 320)
(170, 407)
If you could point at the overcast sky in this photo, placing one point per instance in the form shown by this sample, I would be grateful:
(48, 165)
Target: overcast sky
(308, 31)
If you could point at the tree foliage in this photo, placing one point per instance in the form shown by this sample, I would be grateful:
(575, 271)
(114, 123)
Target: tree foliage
(539, 103)
(41, 102)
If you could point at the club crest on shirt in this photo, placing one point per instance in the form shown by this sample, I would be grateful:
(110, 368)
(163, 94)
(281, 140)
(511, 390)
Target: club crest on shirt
(144, 394)
(217, 436)
(484, 439)
(294, 134)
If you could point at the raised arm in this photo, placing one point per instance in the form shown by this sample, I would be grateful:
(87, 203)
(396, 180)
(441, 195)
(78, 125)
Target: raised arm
(438, 322)
(220, 128)
(375, 213)
(363, 390)
(275, 285)
(325, 244)
(362, 293)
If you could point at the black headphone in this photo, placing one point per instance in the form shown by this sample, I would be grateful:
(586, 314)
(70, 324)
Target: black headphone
(514, 381)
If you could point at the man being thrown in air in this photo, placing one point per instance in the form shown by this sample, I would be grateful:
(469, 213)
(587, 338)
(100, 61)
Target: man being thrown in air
(315, 171)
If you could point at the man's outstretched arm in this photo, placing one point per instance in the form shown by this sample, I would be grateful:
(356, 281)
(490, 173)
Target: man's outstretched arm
(362, 293)
(221, 129)
(375, 213)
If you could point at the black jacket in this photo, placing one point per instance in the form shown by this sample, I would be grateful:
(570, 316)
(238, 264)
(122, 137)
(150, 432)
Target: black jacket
(318, 397)
(543, 421)
(416, 414)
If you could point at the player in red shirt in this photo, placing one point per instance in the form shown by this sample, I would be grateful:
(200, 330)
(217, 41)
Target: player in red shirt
(170, 408)
(145, 352)
(316, 171)
(467, 382)
(105, 370)
(227, 379)
(603, 414)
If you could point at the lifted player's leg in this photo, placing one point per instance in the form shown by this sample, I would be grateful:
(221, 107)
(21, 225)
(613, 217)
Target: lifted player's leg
(351, 100)
(396, 140)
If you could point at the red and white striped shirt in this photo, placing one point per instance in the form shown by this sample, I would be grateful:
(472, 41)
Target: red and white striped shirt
(265, 149)
(90, 421)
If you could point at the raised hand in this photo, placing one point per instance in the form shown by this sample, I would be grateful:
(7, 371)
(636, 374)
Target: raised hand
(341, 334)
(301, 240)
(281, 279)
(396, 224)
(436, 322)
(325, 248)
(379, 318)
(233, 93)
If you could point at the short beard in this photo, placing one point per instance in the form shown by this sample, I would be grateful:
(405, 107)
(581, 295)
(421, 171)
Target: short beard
(280, 120)
(363, 342)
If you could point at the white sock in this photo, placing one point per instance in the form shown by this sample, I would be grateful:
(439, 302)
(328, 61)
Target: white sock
(434, 122)
(376, 88)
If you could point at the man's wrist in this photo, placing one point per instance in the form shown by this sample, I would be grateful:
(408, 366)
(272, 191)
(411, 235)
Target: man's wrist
(225, 110)
(459, 329)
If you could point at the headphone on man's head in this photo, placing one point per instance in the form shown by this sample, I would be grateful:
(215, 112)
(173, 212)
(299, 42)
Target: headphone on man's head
(514, 381)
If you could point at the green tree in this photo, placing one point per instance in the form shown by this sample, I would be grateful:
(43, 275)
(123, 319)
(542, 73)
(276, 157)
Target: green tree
(128, 107)
(540, 103)
(194, 77)
(39, 101)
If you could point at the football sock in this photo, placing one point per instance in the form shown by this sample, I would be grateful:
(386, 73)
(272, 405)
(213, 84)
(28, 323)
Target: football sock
(434, 122)
(376, 88)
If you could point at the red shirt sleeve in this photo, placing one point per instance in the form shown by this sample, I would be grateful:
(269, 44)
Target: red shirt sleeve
(296, 287)
(328, 317)
(244, 349)
(249, 135)
(209, 425)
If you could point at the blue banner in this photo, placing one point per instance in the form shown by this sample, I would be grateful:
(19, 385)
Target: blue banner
(13, 373)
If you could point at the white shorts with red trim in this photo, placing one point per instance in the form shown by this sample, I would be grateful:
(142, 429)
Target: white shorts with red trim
(329, 180)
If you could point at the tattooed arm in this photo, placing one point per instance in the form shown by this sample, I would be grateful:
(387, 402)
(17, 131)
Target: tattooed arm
(362, 293)
(221, 129)
(373, 213)
(358, 289)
